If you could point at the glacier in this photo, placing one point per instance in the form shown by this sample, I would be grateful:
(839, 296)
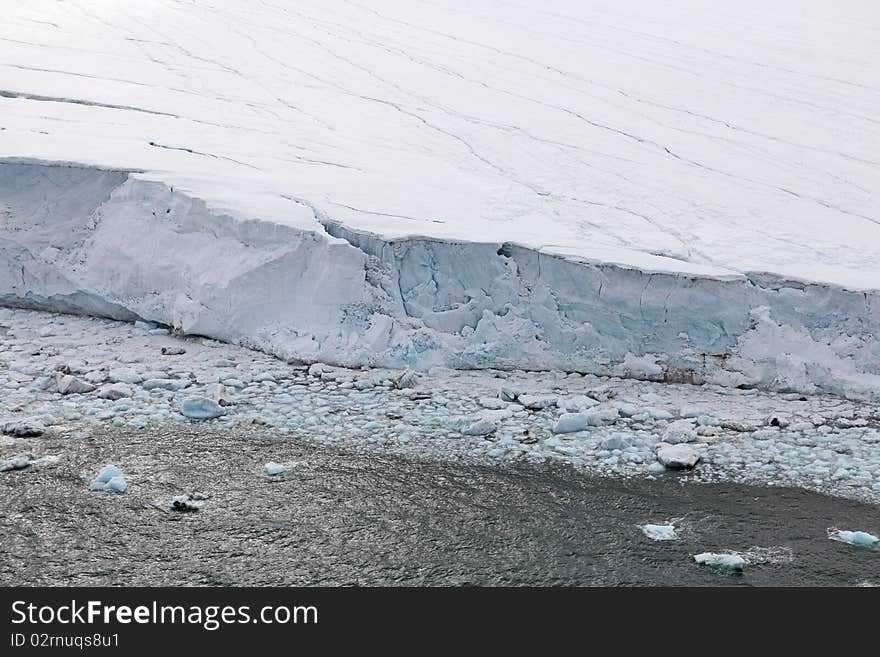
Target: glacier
(638, 191)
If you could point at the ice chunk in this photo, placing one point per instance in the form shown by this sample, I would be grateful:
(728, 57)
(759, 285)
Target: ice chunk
(115, 391)
(165, 384)
(677, 456)
(657, 413)
(727, 561)
(17, 462)
(125, 375)
(109, 479)
(857, 538)
(271, 469)
(508, 394)
(659, 532)
(220, 394)
(184, 503)
(680, 431)
(614, 442)
(407, 379)
(578, 403)
(70, 385)
(602, 417)
(482, 427)
(107, 473)
(24, 428)
(569, 422)
(200, 408)
(537, 403)
(116, 485)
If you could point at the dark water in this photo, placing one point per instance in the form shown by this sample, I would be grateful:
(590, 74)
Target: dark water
(345, 518)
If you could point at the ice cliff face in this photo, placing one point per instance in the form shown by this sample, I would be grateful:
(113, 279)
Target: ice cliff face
(109, 243)
(574, 184)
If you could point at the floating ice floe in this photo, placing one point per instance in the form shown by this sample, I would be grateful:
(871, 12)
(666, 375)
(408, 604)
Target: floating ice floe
(680, 431)
(571, 422)
(726, 561)
(857, 538)
(537, 402)
(24, 428)
(201, 408)
(481, 427)
(115, 391)
(17, 462)
(272, 469)
(680, 457)
(659, 532)
(70, 385)
(125, 375)
(184, 503)
(110, 479)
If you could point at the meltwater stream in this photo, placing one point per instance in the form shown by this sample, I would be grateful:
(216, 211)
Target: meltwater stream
(345, 518)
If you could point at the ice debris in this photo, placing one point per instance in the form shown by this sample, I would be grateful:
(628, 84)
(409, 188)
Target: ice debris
(184, 503)
(271, 469)
(857, 538)
(659, 532)
(24, 428)
(679, 457)
(70, 385)
(482, 427)
(726, 561)
(115, 391)
(680, 431)
(537, 402)
(110, 479)
(200, 408)
(17, 462)
(570, 422)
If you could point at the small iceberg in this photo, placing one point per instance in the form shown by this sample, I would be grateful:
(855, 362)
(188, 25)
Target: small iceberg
(859, 539)
(184, 503)
(659, 532)
(272, 469)
(17, 462)
(725, 561)
(201, 409)
(110, 480)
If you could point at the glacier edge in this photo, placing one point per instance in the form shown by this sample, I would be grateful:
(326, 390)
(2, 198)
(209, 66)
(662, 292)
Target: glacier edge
(99, 242)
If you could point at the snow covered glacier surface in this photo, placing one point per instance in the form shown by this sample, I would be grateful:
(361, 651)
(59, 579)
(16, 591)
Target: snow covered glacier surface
(672, 192)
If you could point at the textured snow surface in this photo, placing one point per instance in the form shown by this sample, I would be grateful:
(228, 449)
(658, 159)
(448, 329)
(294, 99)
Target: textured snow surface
(301, 177)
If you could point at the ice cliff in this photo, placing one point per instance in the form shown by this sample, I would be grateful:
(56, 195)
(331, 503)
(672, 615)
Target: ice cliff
(662, 192)
(126, 248)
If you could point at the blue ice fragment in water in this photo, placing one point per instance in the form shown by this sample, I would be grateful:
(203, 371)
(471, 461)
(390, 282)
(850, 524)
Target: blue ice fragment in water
(656, 467)
(107, 473)
(659, 532)
(272, 469)
(726, 561)
(109, 480)
(201, 409)
(117, 485)
(859, 539)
